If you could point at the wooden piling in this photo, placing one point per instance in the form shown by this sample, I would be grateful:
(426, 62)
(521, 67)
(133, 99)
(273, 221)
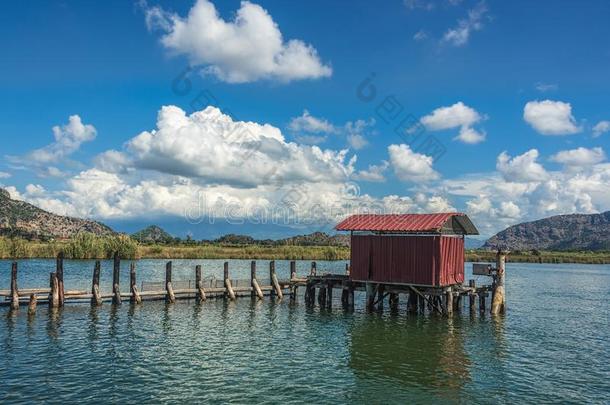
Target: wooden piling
(116, 279)
(230, 293)
(96, 297)
(199, 284)
(322, 297)
(350, 296)
(449, 302)
(482, 296)
(60, 277)
(135, 294)
(499, 301)
(412, 302)
(293, 270)
(14, 291)
(54, 294)
(169, 296)
(347, 269)
(32, 304)
(329, 294)
(313, 270)
(471, 295)
(393, 301)
(370, 295)
(256, 289)
(310, 294)
(274, 282)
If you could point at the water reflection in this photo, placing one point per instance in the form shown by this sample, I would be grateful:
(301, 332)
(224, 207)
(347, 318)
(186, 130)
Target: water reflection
(417, 352)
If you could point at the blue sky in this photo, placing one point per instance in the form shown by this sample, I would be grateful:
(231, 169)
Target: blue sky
(517, 94)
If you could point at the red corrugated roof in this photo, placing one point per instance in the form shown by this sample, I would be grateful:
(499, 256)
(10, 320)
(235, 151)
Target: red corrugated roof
(396, 222)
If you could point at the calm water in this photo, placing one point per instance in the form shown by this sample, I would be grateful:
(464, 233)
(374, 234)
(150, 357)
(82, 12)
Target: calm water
(553, 345)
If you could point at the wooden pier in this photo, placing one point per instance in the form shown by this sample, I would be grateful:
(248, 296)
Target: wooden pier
(318, 289)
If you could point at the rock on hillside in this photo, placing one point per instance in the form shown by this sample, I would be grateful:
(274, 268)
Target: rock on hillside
(561, 232)
(18, 218)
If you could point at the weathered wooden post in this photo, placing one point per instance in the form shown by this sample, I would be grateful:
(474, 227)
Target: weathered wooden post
(322, 296)
(347, 269)
(54, 294)
(380, 294)
(499, 299)
(32, 304)
(229, 289)
(293, 270)
(370, 295)
(96, 297)
(169, 295)
(393, 301)
(256, 288)
(314, 269)
(350, 295)
(135, 294)
(412, 302)
(199, 284)
(14, 291)
(421, 303)
(449, 301)
(60, 277)
(482, 297)
(310, 294)
(116, 279)
(329, 294)
(274, 282)
(471, 295)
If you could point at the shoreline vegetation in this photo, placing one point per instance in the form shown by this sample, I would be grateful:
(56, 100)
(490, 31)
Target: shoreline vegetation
(89, 246)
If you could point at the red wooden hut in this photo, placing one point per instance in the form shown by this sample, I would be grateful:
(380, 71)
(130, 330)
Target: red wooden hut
(416, 249)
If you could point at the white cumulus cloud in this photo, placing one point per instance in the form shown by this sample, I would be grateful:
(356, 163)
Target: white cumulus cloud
(521, 168)
(458, 115)
(580, 157)
(374, 173)
(601, 128)
(248, 48)
(411, 166)
(551, 117)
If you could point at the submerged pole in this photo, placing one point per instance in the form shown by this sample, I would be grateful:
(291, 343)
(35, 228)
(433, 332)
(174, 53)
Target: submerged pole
(499, 301)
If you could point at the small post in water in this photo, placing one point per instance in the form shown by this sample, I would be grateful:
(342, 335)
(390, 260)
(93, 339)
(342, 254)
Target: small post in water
(471, 295)
(169, 297)
(32, 304)
(96, 297)
(54, 294)
(14, 291)
(60, 277)
(499, 301)
(229, 288)
(256, 289)
(313, 269)
(135, 294)
(199, 284)
(116, 279)
(274, 282)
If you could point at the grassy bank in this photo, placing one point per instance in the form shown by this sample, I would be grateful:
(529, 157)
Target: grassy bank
(542, 257)
(87, 246)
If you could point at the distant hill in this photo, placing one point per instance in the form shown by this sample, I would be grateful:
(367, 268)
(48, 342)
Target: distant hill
(313, 239)
(561, 232)
(20, 219)
(153, 234)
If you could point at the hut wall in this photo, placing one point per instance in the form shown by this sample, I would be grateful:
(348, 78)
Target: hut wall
(422, 260)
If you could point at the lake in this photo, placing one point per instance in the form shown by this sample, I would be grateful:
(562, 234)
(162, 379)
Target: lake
(551, 346)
